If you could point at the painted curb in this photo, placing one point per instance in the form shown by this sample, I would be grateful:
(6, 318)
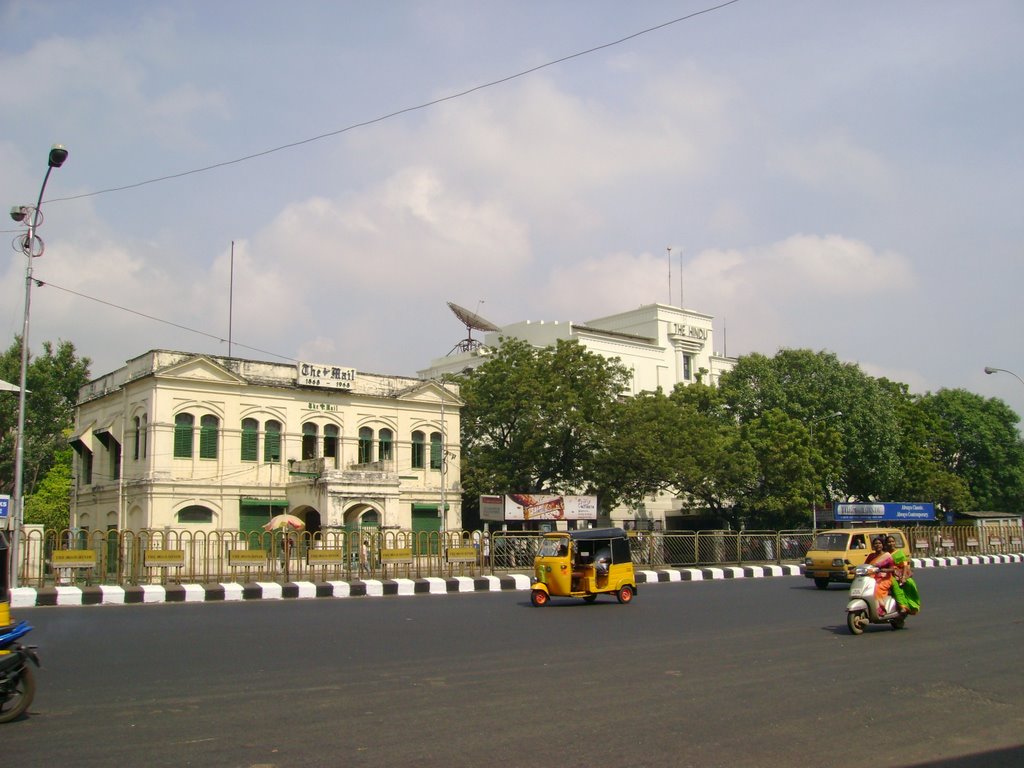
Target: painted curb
(29, 597)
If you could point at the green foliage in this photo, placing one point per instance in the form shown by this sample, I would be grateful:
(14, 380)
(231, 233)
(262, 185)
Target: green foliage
(53, 381)
(978, 443)
(50, 505)
(538, 420)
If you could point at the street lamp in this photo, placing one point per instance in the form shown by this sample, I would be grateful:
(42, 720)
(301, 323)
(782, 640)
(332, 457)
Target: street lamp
(32, 246)
(814, 496)
(990, 370)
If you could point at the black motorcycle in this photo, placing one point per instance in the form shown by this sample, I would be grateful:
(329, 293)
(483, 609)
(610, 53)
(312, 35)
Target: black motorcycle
(17, 681)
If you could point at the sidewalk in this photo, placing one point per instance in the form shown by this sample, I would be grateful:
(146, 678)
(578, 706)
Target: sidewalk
(27, 597)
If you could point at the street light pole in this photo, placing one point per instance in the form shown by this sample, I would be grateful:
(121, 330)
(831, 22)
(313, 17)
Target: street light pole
(814, 496)
(32, 246)
(990, 370)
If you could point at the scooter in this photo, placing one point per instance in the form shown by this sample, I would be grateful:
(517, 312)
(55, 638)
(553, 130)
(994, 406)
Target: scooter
(17, 681)
(864, 609)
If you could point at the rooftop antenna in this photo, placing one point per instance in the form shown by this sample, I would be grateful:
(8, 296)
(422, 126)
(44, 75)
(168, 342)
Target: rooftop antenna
(682, 301)
(231, 294)
(669, 275)
(472, 321)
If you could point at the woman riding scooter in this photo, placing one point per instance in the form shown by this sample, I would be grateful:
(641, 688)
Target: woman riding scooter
(904, 588)
(884, 562)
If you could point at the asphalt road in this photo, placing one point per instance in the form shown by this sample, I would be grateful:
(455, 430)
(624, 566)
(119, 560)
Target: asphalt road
(727, 673)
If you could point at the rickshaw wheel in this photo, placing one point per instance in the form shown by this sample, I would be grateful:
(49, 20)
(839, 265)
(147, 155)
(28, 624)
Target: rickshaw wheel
(589, 598)
(625, 594)
(539, 597)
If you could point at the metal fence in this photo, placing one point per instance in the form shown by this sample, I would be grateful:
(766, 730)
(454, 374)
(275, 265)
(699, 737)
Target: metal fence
(175, 556)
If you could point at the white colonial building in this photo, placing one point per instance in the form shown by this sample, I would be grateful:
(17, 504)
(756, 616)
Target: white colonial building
(176, 440)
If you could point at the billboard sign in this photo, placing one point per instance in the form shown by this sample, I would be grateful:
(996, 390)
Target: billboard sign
(523, 506)
(893, 511)
(492, 508)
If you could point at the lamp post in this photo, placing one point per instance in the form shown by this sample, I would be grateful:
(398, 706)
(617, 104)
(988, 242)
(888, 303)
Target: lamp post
(32, 246)
(990, 370)
(814, 496)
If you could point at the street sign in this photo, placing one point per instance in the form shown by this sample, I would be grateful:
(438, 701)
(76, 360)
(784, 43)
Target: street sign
(5, 508)
(897, 511)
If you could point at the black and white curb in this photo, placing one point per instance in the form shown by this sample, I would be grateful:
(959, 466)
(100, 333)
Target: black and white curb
(28, 597)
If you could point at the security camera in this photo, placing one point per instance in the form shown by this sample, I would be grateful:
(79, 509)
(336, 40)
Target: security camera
(20, 212)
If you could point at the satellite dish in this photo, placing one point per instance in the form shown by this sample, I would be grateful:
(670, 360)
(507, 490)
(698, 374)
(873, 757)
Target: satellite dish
(472, 321)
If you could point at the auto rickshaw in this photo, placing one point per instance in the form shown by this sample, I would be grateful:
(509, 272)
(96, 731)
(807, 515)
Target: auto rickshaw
(583, 564)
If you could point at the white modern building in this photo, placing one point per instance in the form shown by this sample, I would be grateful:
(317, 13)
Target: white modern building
(661, 345)
(175, 440)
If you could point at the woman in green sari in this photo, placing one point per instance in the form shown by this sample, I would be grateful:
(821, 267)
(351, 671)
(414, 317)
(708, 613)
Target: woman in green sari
(904, 588)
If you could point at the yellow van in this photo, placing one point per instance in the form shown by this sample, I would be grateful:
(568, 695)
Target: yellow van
(836, 553)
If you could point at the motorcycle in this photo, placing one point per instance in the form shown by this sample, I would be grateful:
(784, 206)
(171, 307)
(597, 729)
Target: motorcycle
(17, 681)
(863, 608)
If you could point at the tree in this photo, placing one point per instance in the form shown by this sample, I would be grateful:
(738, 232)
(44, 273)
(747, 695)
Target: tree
(538, 420)
(50, 505)
(53, 381)
(857, 452)
(978, 442)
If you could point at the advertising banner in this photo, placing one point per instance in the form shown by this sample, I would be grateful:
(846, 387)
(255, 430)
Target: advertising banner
(893, 511)
(492, 508)
(523, 506)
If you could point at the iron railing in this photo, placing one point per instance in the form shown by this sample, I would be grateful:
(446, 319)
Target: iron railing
(181, 556)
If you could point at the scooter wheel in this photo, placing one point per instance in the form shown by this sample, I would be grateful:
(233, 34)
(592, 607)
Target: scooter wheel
(856, 621)
(17, 701)
(898, 623)
(539, 597)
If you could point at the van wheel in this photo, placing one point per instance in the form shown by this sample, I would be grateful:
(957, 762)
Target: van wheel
(625, 594)
(539, 597)
(856, 621)
(821, 583)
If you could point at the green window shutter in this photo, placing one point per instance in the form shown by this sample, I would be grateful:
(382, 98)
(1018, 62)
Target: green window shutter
(384, 445)
(184, 424)
(272, 442)
(209, 432)
(417, 450)
(250, 439)
(365, 445)
(435, 450)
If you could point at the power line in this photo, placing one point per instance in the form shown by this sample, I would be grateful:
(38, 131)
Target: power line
(398, 112)
(42, 283)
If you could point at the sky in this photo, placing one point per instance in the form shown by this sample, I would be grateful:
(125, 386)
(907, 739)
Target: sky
(834, 176)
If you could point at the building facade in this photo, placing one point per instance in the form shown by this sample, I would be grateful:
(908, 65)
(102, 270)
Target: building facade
(659, 344)
(176, 440)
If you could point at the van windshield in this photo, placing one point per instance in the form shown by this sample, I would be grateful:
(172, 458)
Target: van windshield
(831, 541)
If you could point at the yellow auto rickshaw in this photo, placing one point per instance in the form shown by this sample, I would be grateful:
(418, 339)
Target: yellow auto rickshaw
(583, 564)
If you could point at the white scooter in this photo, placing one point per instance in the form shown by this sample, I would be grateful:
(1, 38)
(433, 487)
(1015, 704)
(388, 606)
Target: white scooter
(863, 608)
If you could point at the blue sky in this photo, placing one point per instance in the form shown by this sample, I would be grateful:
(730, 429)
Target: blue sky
(838, 176)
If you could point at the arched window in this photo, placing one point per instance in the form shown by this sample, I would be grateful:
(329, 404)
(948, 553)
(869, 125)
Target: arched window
(145, 435)
(331, 440)
(195, 514)
(272, 442)
(184, 426)
(418, 453)
(250, 439)
(436, 449)
(309, 440)
(385, 440)
(209, 434)
(365, 445)
(138, 438)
